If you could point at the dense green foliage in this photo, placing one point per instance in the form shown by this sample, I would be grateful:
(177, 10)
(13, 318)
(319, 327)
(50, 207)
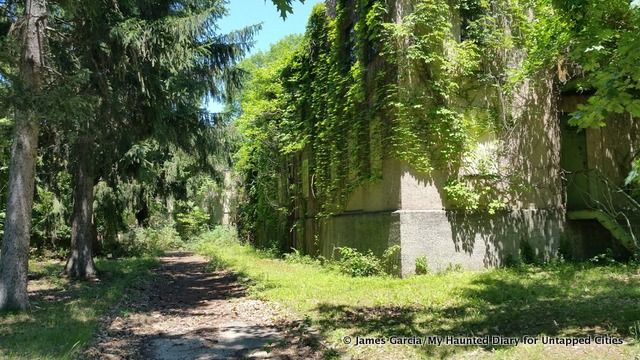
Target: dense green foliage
(355, 95)
(335, 104)
(259, 160)
(442, 90)
(602, 39)
(422, 265)
(598, 47)
(125, 83)
(161, 188)
(601, 47)
(330, 107)
(352, 262)
(439, 89)
(327, 108)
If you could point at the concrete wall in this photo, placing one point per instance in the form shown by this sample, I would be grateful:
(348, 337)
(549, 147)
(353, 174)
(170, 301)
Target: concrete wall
(446, 236)
(533, 145)
(423, 226)
(609, 151)
(382, 195)
(604, 158)
(476, 240)
(431, 226)
(367, 222)
(411, 209)
(365, 231)
(225, 200)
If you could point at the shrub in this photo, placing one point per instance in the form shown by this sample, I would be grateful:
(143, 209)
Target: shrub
(355, 263)
(422, 266)
(155, 240)
(295, 257)
(192, 221)
(220, 235)
(143, 241)
(391, 260)
(606, 258)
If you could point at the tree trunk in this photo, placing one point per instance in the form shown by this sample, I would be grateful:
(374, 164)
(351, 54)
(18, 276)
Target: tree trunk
(14, 257)
(80, 263)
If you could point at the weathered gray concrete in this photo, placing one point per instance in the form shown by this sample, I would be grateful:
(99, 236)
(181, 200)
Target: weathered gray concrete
(382, 195)
(411, 209)
(447, 238)
(365, 231)
(476, 240)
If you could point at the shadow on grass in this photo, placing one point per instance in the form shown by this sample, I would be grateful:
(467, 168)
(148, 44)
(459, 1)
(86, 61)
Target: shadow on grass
(64, 314)
(515, 305)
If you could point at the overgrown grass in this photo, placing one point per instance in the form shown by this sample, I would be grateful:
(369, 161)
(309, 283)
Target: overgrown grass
(557, 300)
(64, 315)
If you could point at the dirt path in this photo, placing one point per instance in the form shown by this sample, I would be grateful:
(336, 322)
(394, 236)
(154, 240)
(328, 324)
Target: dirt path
(189, 312)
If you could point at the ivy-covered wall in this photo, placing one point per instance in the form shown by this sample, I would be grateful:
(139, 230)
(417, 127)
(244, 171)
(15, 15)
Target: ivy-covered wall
(395, 113)
(428, 82)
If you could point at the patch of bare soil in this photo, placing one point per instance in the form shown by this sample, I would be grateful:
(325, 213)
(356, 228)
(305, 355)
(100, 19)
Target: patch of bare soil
(189, 312)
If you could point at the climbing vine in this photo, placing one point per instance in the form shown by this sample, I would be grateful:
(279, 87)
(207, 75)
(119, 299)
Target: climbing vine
(370, 88)
(365, 86)
(454, 89)
(433, 84)
(337, 86)
(429, 130)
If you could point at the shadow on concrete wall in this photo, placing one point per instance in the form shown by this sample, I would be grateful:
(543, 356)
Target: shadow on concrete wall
(529, 180)
(534, 235)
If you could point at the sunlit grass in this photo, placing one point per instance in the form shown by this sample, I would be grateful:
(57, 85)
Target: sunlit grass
(560, 300)
(64, 315)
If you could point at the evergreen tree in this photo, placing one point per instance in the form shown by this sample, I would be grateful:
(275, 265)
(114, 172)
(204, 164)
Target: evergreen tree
(284, 6)
(149, 66)
(116, 73)
(15, 247)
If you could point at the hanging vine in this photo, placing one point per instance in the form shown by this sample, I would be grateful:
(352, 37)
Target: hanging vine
(425, 87)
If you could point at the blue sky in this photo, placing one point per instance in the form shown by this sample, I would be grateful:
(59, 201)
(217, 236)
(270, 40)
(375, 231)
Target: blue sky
(242, 13)
(249, 12)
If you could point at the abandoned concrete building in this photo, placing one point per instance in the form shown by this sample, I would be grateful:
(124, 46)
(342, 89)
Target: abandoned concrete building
(568, 203)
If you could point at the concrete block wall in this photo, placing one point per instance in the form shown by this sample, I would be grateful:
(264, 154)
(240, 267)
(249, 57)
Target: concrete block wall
(367, 231)
(474, 241)
(412, 210)
(422, 225)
